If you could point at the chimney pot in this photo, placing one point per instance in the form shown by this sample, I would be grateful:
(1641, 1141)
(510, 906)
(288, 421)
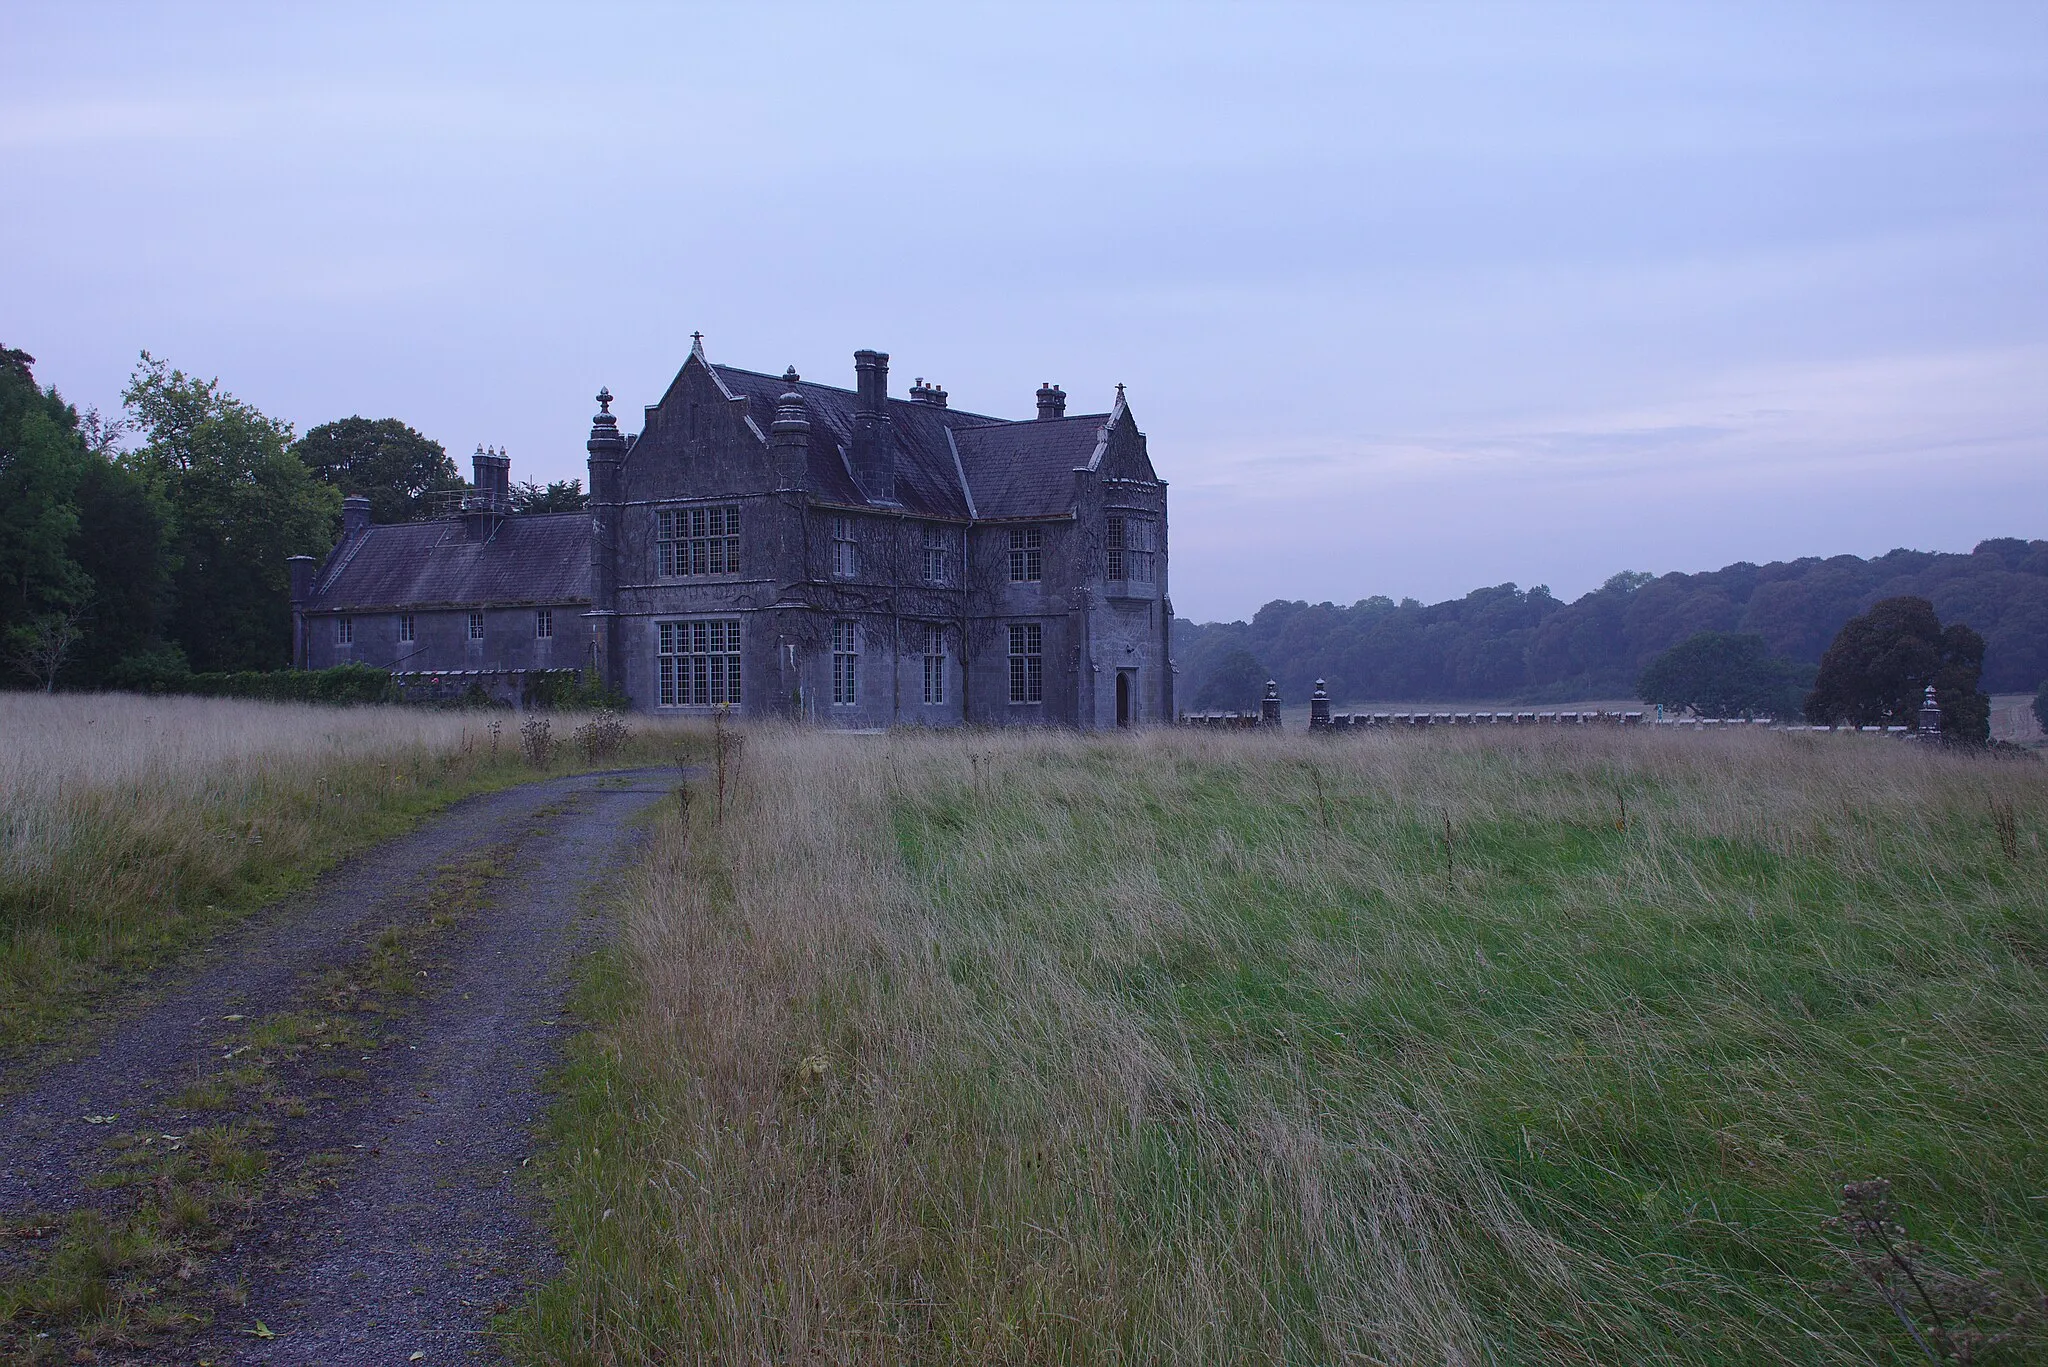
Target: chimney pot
(871, 376)
(1052, 401)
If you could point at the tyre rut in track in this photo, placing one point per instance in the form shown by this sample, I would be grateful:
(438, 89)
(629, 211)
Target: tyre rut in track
(389, 1223)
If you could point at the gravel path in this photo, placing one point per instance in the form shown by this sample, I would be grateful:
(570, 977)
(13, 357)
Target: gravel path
(421, 1233)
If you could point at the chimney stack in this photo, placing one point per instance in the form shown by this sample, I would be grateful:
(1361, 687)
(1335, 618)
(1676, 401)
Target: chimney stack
(920, 392)
(871, 372)
(355, 516)
(1052, 401)
(491, 474)
(874, 443)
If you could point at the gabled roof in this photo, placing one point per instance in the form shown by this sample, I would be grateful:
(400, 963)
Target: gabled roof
(1016, 469)
(1026, 469)
(532, 558)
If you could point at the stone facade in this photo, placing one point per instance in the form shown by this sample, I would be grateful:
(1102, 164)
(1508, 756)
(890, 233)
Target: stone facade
(781, 547)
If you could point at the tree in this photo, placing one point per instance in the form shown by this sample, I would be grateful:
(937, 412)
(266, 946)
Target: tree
(241, 503)
(41, 463)
(123, 544)
(1881, 663)
(395, 467)
(1721, 674)
(2041, 705)
(43, 647)
(559, 496)
(1235, 684)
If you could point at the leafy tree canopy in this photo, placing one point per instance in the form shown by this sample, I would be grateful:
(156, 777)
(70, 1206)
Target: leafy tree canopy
(241, 505)
(1882, 661)
(1236, 684)
(1722, 674)
(559, 496)
(395, 467)
(83, 573)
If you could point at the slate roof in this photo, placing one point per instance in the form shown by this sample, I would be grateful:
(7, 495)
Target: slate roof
(1026, 466)
(533, 558)
(1026, 469)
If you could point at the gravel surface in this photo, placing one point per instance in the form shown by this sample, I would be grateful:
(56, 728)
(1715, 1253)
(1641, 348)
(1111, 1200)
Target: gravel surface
(422, 1232)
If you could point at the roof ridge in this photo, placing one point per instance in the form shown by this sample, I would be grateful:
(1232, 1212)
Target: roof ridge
(986, 418)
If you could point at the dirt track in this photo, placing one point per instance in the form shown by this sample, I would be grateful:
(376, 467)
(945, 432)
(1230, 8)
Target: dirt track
(390, 1221)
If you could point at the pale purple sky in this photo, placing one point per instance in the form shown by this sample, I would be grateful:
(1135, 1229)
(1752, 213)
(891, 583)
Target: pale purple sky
(1410, 299)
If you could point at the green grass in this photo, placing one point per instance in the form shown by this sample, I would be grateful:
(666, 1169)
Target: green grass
(1055, 1050)
(133, 829)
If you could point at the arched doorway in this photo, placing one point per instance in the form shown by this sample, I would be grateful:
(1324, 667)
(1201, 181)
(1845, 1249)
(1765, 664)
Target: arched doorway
(1123, 697)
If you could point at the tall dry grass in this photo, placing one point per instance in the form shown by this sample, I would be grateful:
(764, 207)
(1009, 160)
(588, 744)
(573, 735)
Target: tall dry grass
(131, 825)
(1041, 1048)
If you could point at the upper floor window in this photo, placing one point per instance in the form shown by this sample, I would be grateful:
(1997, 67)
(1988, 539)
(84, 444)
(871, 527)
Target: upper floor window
(845, 664)
(938, 555)
(845, 550)
(407, 629)
(476, 626)
(345, 630)
(1027, 555)
(1129, 541)
(692, 541)
(699, 663)
(1027, 663)
(543, 623)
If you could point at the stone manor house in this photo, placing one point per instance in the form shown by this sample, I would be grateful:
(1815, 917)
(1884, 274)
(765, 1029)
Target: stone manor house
(782, 547)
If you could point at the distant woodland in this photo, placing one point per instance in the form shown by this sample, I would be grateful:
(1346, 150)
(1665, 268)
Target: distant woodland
(1512, 644)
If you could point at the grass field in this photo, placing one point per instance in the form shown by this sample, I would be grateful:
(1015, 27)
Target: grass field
(130, 827)
(1386, 1049)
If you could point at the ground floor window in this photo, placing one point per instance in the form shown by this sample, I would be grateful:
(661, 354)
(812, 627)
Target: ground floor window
(543, 623)
(934, 665)
(1027, 663)
(476, 626)
(845, 664)
(405, 626)
(345, 630)
(700, 663)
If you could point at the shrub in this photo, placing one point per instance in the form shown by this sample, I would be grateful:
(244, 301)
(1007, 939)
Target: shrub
(537, 741)
(569, 688)
(165, 674)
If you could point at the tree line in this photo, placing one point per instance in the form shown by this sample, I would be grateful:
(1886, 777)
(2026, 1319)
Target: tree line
(1511, 644)
(154, 543)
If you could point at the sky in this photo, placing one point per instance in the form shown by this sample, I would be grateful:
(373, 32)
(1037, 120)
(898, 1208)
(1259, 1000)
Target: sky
(1408, 299)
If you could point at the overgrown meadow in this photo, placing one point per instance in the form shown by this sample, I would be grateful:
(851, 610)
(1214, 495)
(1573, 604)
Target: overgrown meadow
(1593, 1047)
(130, 827)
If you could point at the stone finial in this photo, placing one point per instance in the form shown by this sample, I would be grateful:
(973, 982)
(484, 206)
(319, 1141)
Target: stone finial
(1929, 727)
(1319, 706)
(605, 443)
(1269, 706)
(790, 377)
